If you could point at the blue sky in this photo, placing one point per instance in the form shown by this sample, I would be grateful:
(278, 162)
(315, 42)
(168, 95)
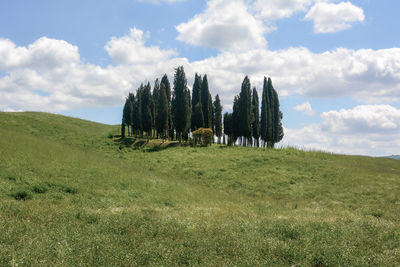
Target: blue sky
(335, 64)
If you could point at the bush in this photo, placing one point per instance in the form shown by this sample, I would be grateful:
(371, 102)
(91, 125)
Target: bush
(39, 189)
(203, 136)
(21, 195)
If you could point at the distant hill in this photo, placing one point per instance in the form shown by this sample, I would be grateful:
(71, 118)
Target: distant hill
(394, 157)
(74, 194)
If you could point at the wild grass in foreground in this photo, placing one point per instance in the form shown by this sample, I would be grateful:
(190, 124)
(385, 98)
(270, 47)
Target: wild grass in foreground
(71, 196)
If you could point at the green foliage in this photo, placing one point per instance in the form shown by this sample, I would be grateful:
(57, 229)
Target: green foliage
(147, 114)
(245, 109)
(197, 120)
(123, 128)
(21, 195)
(271, 116)
(228, 127)
(255, 117)
(155, 95)
(167, 85)
(197, 117)
(203, 136)
(137, 117)
(181, 103)
(206, 103)
(218, 205)
(236, 131)
(162, 114)
(218, 118)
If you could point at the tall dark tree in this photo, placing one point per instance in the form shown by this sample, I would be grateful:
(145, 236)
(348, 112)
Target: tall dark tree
(256, 117)
(263, 115)
(126, 114)
(196, 99)
(197, 116)
(236, 133)
(137, 107)
(162, 114)
(167, 85)
(206, 103)
(188, 107)
(156, 92)
(218, 118)
(147, 114)
(271, 116)
(245, 110)
(123, 128)
(228, 127)
(131, 99)
(212, 114)
(277, 129)
(180, 103)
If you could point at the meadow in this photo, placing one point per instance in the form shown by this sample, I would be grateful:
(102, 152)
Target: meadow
(73, 194)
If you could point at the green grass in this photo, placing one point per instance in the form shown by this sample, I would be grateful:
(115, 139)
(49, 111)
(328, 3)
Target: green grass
(70, 196)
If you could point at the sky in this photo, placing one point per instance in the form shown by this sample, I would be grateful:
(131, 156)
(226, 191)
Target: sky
(335, 64)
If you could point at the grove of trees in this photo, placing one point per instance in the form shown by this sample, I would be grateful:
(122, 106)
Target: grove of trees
(175, 114)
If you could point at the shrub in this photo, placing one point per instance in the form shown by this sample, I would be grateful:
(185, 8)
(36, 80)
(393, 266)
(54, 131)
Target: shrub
(21, 195)
(39, 189)
(70, 190)
(203, 136)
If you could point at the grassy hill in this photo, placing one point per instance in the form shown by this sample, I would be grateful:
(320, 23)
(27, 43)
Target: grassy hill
(70, 196)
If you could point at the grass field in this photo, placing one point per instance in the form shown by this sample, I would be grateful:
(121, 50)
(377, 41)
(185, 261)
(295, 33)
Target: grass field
(72, 196)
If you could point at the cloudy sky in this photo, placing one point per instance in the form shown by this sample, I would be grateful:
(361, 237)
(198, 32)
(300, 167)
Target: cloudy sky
(335, 64)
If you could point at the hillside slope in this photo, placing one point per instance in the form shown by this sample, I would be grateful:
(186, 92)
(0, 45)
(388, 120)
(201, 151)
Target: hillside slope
(72, 196)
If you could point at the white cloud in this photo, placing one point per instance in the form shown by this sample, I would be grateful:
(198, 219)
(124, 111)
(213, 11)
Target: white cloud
(55, 67)
(367, 129)
(277, 9)
(44, 53)
(243, 24)
(330, 17)
(131, 49)
(225, 24)
(365, 119)
(305, 108)
(365, 75)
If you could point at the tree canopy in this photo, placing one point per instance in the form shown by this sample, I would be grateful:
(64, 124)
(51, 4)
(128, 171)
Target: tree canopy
(177, 113)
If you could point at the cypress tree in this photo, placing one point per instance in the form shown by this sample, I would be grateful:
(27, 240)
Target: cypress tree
(180, 103)
(264, 113)
(245, 110)
(256, 117)
(270, 115)
(197, 116)
(147, 114)
(167, 85)
(156, 92)
(236, 119)
(126, 114)
(197, 120)
(206, 103)
(276, 117)
(188, 108)
(218, 118)
(137, 118)
(162, 114)
(211, 111)
(123, 128)
(228, 127)
(131, 98)
(271, 128)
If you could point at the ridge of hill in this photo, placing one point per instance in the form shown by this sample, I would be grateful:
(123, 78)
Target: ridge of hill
(72, 194)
